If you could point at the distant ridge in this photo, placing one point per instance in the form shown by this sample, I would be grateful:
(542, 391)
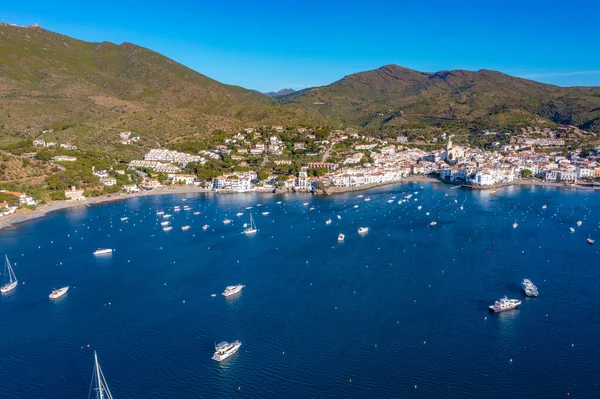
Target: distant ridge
(280, 93)
(393, 96)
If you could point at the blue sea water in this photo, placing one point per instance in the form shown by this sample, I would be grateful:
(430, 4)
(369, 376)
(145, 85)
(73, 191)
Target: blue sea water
(399, 312)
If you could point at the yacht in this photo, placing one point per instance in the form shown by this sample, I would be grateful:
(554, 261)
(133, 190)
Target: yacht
(265, 213)
(505, 304)
(363, 230)
(186, 228)
(341, 237)
(419, 207)
(431, 224)
(251, 229)
(248, 207)
(186, 208)
(590, 241)
(529, 288)
(572, 230)
(58, 293)
(239, 214)
(99, 382)
(359, 196)
(165, 223)
(390, 201)
(205, 227)
(579, 223)
(515, 225)
(168, 228)
(278, 202)
(544, 206)
(339, 217)
(225, 349)
(160, 213)
(227, 221)
(328, 221)
(196, 213)
(166, 216)
(305, 204)
(124, 219)
(355, 206)
(367, 199)
(103, 251)
(12, 282)
(232, 290)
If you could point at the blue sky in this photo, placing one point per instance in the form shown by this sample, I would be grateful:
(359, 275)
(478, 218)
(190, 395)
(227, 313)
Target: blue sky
(269, 45)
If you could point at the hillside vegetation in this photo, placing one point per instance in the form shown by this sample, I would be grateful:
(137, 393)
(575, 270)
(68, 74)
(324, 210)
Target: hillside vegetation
(88, 92)
(396, 97)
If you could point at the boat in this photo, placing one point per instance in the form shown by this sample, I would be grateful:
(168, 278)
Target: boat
(341, 237)
(248, 207)
(426, 213)
(328, 221)
(265, 213)
(227, 221)
(390, 201)
(433, 223)
(579, 223)
(124, 219)
(186, 228)
(590, 241)
(305, 204)
(419, 207)
(225, 349)
(493, 191)
(339, 217)
(363, 230)
(186, 208)
(367, 199)
(160, 213)
(196, 213)
(529, 288)
(166, 216)
(251, 229)
(505, 304)
(239, 214)
(232, 290)
(165, 223)
(168, 228)
(205, 227)
(58, 293)
(355, 206)
(572, 230)
(103, 251)
(99, 382)
(359, 196)
(515, 225)
(12, 279)
(278, 202)
(544, 206)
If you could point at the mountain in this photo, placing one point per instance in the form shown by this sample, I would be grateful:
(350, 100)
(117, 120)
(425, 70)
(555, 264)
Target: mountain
(396, 97)
(87, 92)
(280, 93)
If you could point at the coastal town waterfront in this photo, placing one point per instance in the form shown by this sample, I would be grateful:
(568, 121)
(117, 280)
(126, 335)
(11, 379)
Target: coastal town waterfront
(400, 311)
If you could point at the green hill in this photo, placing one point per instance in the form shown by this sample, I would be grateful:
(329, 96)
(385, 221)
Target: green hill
(396, 97)
(87, 92)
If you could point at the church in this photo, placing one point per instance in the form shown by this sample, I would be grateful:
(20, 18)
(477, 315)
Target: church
(452, 153)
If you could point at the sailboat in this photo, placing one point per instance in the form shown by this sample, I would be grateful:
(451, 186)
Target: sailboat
(251, 229)
(12, 279)
(99, 382)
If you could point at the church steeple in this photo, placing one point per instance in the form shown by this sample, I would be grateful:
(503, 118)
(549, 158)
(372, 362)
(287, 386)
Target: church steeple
(449, 145)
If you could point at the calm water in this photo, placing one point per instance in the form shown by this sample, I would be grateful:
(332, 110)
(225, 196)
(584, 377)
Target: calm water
(400, 312)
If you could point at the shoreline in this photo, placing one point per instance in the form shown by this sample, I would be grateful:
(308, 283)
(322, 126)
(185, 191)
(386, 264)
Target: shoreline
(40, 212)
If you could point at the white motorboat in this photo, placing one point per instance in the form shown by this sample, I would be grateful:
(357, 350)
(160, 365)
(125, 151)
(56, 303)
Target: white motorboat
(579, 223)
(165, 223)
(328, 221)
(505, 304)
(205, 227)
(186, 228)
(433, 223)
(239, 214)
(196, 213)
(59, 292)
(225, 349)
(341, 237)
(232, 290)
(103, 251)
(572, 230)
(124, 219)
(363, 230)
(515, 225)
(160, 213)
(227, 221)
(167, 215)
(12, 282)
(265, 213)
(355, 206)
(168, 228)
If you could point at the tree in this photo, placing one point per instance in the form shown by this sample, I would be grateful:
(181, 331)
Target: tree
(526, 174)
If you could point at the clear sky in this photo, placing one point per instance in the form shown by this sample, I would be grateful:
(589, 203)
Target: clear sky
(269, 45)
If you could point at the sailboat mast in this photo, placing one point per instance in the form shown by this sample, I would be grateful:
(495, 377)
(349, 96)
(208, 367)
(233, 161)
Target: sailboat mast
(97, 366)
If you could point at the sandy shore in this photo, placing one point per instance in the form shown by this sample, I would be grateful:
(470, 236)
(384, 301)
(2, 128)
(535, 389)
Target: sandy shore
(23, 215)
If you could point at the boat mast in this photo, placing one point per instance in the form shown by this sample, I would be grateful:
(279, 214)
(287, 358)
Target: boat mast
(102, 385)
